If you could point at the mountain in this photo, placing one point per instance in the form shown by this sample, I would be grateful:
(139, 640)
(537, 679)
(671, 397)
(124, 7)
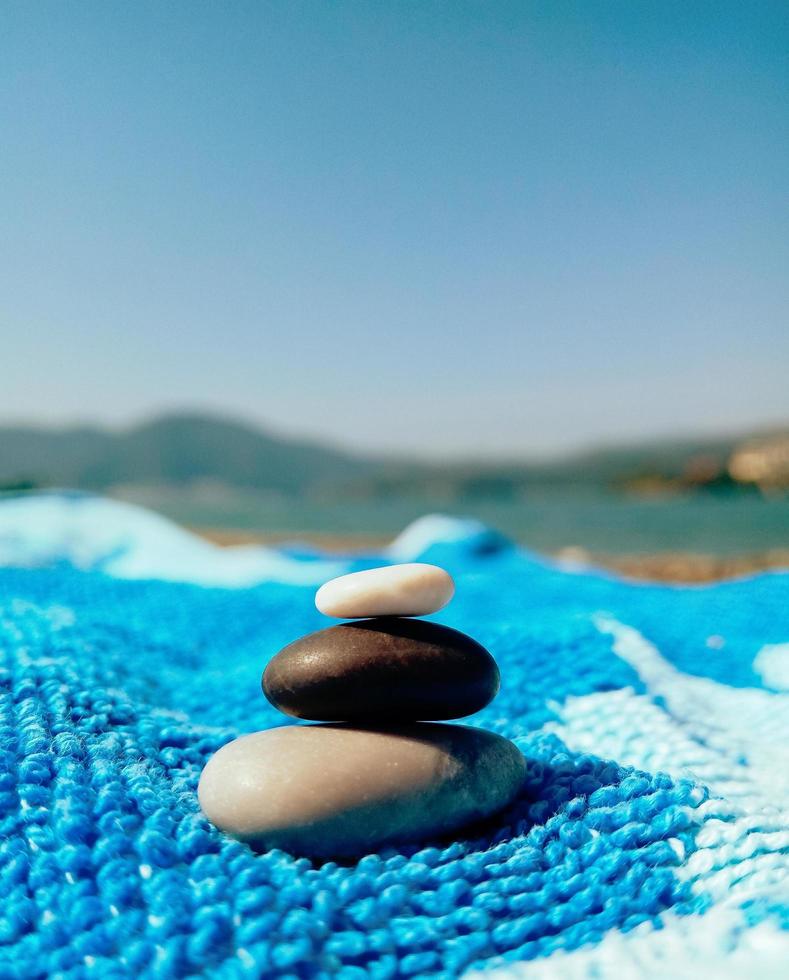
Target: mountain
(182, 451)
(660, 466)
(172, 450)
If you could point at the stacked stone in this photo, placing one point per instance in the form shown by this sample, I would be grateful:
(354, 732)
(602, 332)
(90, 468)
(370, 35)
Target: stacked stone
(380, 768)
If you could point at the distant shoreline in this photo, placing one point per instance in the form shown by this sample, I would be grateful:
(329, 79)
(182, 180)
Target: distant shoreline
(673, 566)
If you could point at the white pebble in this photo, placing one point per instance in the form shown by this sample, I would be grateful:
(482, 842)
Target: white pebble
(414, 589)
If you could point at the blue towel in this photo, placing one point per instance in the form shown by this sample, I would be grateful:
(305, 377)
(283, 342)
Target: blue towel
(650, 837)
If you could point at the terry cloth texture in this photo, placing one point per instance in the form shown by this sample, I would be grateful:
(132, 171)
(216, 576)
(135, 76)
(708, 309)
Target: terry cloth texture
(650, 837)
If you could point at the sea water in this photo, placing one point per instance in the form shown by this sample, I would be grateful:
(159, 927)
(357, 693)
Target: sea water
(602, 522)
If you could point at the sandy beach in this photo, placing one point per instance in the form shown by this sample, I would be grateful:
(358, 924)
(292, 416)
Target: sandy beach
(673, 566)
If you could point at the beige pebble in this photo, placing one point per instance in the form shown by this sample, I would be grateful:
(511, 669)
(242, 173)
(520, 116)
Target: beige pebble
(414, 589)
(337, 790)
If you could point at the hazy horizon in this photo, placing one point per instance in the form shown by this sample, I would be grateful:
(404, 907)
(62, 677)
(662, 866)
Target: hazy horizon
(196, 412)
(456, 231)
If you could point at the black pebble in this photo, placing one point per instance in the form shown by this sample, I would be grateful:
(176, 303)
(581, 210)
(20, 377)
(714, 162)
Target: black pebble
(382, 669)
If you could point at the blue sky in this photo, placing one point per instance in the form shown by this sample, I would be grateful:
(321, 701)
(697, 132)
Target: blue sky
(446, 228)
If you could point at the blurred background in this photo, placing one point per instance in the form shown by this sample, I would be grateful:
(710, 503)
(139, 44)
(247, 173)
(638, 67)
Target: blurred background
(312, 270)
